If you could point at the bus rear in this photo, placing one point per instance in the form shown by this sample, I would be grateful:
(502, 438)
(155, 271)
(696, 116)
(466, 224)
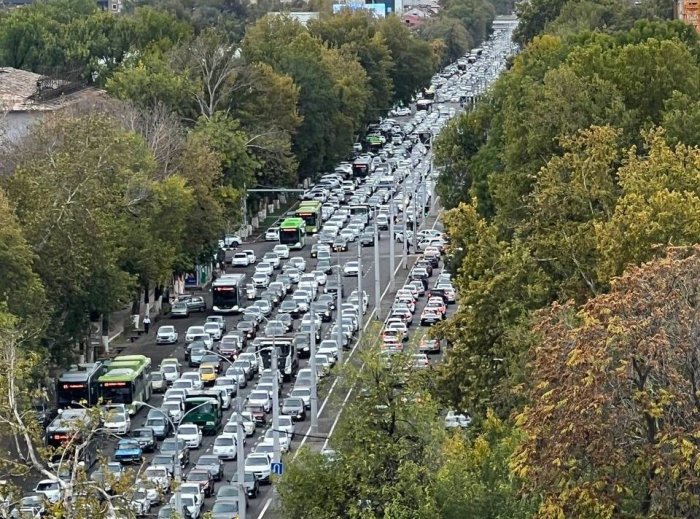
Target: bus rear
(205, 412)
(310, 212)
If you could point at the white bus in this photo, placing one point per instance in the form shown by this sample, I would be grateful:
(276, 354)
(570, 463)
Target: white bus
(228, 293)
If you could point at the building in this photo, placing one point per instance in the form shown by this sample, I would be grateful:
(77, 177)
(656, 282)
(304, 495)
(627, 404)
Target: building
(302, 17)
(689, 12)
(26, 98)
(415, 17)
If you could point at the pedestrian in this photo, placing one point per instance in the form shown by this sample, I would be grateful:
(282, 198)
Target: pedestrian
(146, 324)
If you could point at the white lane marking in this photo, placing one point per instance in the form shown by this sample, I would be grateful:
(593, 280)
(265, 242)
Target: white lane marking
(264, 508)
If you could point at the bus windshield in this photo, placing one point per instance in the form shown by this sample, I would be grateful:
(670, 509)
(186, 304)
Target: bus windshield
(308, 217)
(225, 296)
(117, 392)
(68, 393)
(290, 236)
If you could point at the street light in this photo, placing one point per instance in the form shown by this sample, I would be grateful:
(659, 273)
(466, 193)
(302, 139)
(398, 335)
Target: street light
(177, 469)
(377, 288)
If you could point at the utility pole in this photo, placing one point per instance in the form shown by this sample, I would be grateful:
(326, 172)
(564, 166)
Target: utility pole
(240, 459)
(275, 406)
(360, 299)
(377, 288)
(405, 235)
(312, 362)
(392, 259)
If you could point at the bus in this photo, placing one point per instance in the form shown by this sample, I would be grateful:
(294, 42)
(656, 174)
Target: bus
(287, 360)
(429, 93)
(66, 432)
(359, 209)
(204, 411)
(310, 212)
(228, 293)
(78, 386)
(293, 233)
(361, 166)
(127, 380)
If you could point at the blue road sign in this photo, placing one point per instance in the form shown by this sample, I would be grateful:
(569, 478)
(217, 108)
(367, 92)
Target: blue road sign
(276, 468)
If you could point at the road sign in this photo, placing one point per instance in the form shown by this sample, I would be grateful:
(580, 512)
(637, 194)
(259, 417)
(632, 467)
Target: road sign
(277, 468)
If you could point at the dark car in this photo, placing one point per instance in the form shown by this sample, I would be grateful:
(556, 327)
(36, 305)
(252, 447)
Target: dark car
(250, 483)
(325, 266)
(302, 343)
(146, 438)
(294, 407)
(203, 478)
(323, 310)
(367, 239)
(213, 464)
(215, 360)
(194, 345)
(330, 299)
(290, 307)
(332, 287)
(286, 319)
(194, 303)
(247, 327)
(179, 447)
(340, 244)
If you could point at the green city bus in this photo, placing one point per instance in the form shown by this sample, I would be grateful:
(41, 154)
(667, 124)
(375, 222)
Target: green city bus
(310, 212)
(293, 233)
(204, 411)
(127, 380)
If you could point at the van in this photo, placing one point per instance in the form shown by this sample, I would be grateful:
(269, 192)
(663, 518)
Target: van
(383, 221)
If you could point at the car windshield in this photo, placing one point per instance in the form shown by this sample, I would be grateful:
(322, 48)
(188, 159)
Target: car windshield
(198, 476)
(259, 395)
(225, 508)
(223, 441)
(258, 461)
(47, 486)
(188, 429)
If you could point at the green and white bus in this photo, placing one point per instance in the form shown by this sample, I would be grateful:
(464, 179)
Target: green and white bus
(127, 380)
(310, 212)
(293, 233)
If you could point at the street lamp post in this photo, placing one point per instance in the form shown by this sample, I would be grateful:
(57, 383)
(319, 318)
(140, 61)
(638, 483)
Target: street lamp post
(360, 299)
(392, 260)
(240, 455)
(377, 288)
(405, 235)
(312, 362)
(275, 406)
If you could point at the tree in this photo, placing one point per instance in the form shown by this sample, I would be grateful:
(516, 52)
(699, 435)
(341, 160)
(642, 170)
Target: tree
(414, 62)
(22, 293)
(356, 32)
(574, 193)
(611, 425)
(533, 17)
(78, 183)
(455, 37)
(681, 120)
(659, 205)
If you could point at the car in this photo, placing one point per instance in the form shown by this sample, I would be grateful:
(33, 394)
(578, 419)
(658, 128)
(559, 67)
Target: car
(191, 502)
(146, 438)
(259, 465)
(250, 482)
(351, 268)
(420, 360)
(430, 316)
(140, 502)
(260, 399)
(340, 244)
(454, 420)
(224, 508)
(158, 382)
(191, 434)
(295, 408)
(272, 234)
(298, 262)
(179, 309)
(166, 335)
(116, 420)
(240, 259)
(281, 250)
(261, 279)
(159, 424)
(230, 240)
(230, 346)
(30, 507)
(367, 239)
(214, 331)
(225, 447)
(128, 450)
(192, 332)
(194, 303)
(50, 489)
(273, 259)
(203, 478)
(176, 446)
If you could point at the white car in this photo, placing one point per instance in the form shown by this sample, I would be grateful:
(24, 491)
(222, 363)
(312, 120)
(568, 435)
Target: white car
(261, 279)
(166, 335)
(265, 267)
(50, 488)
(329, 351)
(282, 251)
(252, 258)
(231, 428)
(117, 421)
(141, 502)
(351, 268)
(248, 422)
(240, 259)
(272, 234)
(252, 358)
(196, 379)
(228, 384)
(454, 420)
(225, 447)
(193, 331)
(183, 383)
(192, 489)
(321, 277)
(260, 399)
(283, 439)
(304, 393)
(173, 409)
(156, 480)
(298, 262)
(259, 464)
(214, 330)
(192, 503)
(170, 372)
(192, 435)
(272, 258)
(286, 424)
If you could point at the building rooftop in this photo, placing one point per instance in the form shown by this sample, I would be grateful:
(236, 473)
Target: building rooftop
(22, 91)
